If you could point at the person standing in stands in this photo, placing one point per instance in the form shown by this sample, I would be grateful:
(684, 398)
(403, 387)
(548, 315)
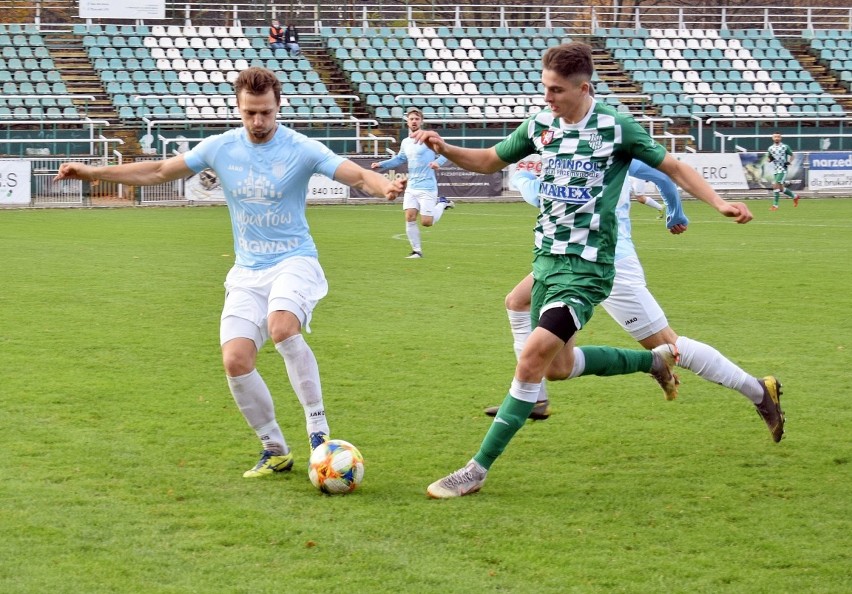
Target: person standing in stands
(276, 36)
(780, 155)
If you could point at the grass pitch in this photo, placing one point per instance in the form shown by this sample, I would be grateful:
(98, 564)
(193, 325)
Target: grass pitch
(123, 450)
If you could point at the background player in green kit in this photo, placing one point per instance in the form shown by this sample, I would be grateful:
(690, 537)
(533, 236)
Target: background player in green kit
(586, 148)
(780, 155)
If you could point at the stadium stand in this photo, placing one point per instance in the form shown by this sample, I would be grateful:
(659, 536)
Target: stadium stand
(458, 72)
(709, 72)
(32, 87)
(187, 72)
(833, 48)
(473, 75)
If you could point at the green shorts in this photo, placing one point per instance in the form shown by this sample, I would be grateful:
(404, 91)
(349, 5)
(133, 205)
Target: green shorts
(780, 177)
(571, 280)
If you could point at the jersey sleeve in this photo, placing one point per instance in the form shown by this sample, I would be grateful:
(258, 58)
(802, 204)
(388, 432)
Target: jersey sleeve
(528, 185)
(201, 155)
(394, 161)
(640, 145)
(668, 190)
(325, 160)
(517, 145)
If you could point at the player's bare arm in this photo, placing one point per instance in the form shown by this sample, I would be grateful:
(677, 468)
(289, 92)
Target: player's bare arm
(477, 160)
(689, 179)
(371, 182)
(141, 173)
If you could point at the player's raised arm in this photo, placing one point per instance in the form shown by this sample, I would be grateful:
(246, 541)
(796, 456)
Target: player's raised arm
(141, 173)
(364, 179)
(689, 179)
(477, 160)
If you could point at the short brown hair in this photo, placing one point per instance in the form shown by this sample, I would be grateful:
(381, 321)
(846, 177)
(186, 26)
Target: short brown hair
(570, 60)
(257, 81)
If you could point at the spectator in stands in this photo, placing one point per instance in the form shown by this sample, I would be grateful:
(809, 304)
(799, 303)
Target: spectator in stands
(780, 155)
(634, 308)
(421, 193)
(586, 148)
(276, 36)
(291, 40)
(264, 169)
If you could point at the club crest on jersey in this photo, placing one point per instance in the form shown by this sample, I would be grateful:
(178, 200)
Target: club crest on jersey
(547, 137)
(595, 141)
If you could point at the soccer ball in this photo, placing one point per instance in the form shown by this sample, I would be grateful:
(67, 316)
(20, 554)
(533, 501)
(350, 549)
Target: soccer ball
(336, 467)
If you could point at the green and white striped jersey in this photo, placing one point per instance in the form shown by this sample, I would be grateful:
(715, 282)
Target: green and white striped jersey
(778, 155)
(584, 166)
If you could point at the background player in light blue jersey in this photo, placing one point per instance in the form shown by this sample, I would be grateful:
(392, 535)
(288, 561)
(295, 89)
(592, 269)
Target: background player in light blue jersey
(632, 305)
(638, 190)
(276, 281)
(421, 193)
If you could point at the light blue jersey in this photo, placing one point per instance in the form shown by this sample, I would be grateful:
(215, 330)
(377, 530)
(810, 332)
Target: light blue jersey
(265, 186)
(528, 184)
(418, 157)
(668, 190)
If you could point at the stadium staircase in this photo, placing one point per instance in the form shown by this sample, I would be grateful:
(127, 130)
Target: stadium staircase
(315, 50)
(803, 52)
(80, 77)
(619, 82)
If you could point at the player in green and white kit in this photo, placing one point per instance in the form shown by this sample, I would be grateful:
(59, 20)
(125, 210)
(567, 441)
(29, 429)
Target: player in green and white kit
(586, 148)
(780, 155)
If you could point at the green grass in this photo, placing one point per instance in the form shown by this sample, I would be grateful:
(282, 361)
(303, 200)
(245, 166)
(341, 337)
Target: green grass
(123, 450)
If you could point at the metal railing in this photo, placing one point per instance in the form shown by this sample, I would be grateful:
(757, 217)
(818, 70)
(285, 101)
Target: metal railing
(576, 19)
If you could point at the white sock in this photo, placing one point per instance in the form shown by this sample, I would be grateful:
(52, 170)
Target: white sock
(255, 402)
(653, 203)
(710, 364)
(439, 212)
(526, 391)
(303, 371)
(521, 325)
(579, 363)
(412, 230)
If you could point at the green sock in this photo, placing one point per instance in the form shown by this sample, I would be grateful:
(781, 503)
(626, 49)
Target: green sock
(602, 360)
(787, 192)
(510, 417)
(777, 197)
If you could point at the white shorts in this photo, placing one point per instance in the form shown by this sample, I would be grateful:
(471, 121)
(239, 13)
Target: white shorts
(631, 304)
(637, 186)
(295, 284)
(421, 200)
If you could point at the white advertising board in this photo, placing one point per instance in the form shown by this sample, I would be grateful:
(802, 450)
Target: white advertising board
(722, 171)
(830, 170)
(123, 9)
(322, 188)
(15, 181)
(206, 186)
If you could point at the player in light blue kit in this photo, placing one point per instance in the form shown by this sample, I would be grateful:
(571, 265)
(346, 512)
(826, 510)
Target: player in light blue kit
(276, 281)
(421, 194)
(634, 308)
